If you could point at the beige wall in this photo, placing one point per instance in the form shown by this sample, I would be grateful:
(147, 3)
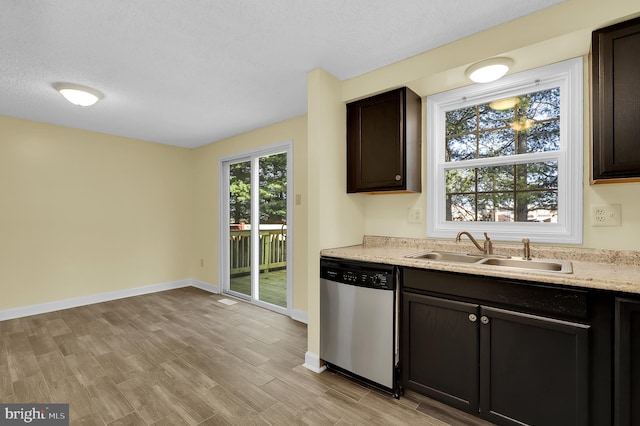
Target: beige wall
(205, 201)
(83, 213)
(335, 217)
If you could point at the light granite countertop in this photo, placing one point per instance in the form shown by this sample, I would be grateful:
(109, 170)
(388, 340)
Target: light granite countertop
(614, 270)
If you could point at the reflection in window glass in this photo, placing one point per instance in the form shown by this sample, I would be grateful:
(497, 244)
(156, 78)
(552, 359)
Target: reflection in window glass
(516, 125)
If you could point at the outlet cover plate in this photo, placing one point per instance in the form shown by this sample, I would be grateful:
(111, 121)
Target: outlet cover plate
(606, 215)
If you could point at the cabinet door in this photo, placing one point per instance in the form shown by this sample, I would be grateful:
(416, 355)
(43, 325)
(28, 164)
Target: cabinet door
(627, 362)
(616, 90)
(383, 143)
(534, 370)
(440, 350)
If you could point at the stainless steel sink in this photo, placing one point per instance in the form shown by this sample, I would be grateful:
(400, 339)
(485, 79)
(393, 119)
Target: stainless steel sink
(446, 256)
(533, 264)
(496, 261)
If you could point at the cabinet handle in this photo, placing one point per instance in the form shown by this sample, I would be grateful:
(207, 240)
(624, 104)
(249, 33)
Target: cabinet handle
(398, 177)
(473, 317)
(484, 319)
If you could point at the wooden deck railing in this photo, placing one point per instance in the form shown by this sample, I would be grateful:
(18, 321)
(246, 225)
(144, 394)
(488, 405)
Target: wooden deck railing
(273, 253)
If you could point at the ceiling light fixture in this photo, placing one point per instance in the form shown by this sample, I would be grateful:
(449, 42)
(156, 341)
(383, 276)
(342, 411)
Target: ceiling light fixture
(489, 70)
(78, 94)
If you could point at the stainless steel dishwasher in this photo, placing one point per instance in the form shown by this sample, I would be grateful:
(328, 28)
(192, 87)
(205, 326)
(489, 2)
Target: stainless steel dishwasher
(358, 321)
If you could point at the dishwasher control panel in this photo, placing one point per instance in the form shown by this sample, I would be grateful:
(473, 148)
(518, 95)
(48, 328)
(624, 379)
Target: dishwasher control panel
(360, 274)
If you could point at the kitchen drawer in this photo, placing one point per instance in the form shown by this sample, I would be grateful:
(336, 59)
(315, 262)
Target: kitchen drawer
(540, 299)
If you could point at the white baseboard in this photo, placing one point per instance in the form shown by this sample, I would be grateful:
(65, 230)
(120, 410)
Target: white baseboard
(312, 362)
(203, 285)
(298, 315)
(74, 302)
(42, 308)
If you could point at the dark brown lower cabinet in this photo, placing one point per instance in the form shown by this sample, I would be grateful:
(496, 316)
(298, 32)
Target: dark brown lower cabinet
(442, 352)
(533, 370)
(508, 367)
(627, 362)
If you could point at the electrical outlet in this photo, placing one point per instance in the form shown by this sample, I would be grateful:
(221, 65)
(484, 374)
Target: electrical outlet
(298, 199)
(414, 216)
(606, 215)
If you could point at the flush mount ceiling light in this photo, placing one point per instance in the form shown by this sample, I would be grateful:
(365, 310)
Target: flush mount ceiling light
(489, 70)
(78, 94)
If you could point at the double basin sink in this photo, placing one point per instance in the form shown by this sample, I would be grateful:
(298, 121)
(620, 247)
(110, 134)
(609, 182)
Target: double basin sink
(501, 262)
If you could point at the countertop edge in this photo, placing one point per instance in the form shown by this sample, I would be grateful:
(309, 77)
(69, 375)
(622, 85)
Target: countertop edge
(609, 277)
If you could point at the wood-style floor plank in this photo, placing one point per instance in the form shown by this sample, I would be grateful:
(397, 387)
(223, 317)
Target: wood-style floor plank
(31, 389)
(108, 402)
(172, 420)
(185, 373)
(85, 367)
(6, 388)
(184, 400)
(21, 364)
(42, 343)
(145, 399)
(133, 419)
(180, 358)
(57, 327)
(53, 367)
(70, 389)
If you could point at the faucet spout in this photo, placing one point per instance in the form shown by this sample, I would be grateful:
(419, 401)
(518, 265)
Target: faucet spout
(487, 247)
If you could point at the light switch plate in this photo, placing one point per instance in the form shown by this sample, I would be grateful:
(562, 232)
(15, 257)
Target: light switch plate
(415, 216)
(606, 215)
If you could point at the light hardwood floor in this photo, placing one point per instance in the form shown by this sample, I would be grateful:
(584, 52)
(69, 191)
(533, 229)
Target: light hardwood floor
(181, 357)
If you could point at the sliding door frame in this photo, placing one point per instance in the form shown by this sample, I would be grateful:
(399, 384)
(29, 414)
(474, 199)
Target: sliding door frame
(223, 222)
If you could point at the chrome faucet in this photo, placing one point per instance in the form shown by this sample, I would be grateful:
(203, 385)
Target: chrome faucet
(527, 249)
(488, 245)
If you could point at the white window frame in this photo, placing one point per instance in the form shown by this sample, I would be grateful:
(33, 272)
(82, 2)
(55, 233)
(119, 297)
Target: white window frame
(568, 76)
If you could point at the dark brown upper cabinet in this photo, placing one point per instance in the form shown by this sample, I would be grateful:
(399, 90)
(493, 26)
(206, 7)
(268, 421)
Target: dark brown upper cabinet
(383, 143)
(616, 103)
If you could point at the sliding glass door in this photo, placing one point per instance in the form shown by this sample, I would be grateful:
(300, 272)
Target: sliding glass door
(255, 223)
(240, 228)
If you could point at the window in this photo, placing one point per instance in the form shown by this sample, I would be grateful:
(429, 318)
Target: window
(506, 157)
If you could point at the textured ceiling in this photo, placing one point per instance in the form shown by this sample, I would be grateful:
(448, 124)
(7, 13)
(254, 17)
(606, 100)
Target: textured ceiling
(188, 73)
